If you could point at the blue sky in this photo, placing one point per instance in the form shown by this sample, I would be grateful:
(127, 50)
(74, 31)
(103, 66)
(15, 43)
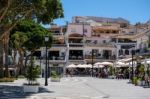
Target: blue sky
(132, 10)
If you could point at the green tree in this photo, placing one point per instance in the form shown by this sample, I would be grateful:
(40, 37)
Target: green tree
(16, 41)
(12, 11)
(28, 35)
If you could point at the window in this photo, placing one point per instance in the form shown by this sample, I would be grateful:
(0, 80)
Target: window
(133, 52)
(85, 30)
(88, 41)
(120, 52)
(114, 31)
(107, 31)
(56, 31)
(127, 52)
(95, 41)
(95, 52)
(104, 41)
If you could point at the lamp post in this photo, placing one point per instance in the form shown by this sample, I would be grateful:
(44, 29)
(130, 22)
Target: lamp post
(46, 76)
(132, 66)
(133, 52)
(92, 61)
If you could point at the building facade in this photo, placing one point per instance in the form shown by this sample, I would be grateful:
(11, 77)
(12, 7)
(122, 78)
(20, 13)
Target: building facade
(92, 39)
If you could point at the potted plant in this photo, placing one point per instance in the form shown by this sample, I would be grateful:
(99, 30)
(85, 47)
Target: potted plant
(55, 77)
(32, 74)
(139, 83)
(134, 80)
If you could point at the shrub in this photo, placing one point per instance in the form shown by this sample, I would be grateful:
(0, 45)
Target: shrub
(32, 74)
(112, 70)
(134, 80)
(54, 74)
(21, 76)
(7, 79)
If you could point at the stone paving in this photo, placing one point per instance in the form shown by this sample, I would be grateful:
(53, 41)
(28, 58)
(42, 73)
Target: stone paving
(76, 88)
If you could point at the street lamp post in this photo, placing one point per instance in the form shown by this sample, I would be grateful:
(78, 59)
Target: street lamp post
(92, 61)
(132, 67)
(133, 53)
(46, 76)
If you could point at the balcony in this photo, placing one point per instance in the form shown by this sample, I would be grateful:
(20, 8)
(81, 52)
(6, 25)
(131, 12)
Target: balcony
(126, 41)
(57, 34)
(100, 44)
(75, 57)
(59, 45)
(75, 44)
(100, 57)
(57, 59)
(142, 51)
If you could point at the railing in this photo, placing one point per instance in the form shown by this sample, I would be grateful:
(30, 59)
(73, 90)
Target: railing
(75, 57)
(126, 41)
(100, 57)
(57, 34)
(75, 44)
(59, 45)
(56, 58)
(142, 51)
(98, 44)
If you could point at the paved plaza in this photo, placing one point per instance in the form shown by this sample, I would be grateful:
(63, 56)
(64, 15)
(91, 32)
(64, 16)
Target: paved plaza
(77, 88)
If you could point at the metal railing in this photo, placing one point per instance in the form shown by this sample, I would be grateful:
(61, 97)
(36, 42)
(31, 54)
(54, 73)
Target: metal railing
(100, 57)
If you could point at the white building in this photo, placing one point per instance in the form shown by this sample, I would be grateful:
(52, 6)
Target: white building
(106, 38)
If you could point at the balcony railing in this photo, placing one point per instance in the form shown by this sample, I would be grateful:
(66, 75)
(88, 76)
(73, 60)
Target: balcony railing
(59, 45)
(142, 51)
(57, 58)
(126, 41)
(76, 44)
(98, 44)
(75, 57)
(57, 34)
(100, 57)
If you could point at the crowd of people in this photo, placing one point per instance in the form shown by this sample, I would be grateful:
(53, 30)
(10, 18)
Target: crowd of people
(107, 72)
(98, 72)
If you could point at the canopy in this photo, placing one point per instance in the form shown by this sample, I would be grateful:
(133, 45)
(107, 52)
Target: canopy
(134, 63)
(84, 66)
(107, 63)
(89, 65)
(71, 66)
(130, 59)
(126, 60)
(104, 63)
(146, 62)
(98, 65)
(121, 64)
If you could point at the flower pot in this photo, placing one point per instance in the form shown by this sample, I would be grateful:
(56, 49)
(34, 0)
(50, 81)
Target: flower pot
(139, 83)
(142, 82)
(55, 79)
(31, 88)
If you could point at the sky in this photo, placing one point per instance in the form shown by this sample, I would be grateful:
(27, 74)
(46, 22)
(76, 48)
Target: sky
(132, 10)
